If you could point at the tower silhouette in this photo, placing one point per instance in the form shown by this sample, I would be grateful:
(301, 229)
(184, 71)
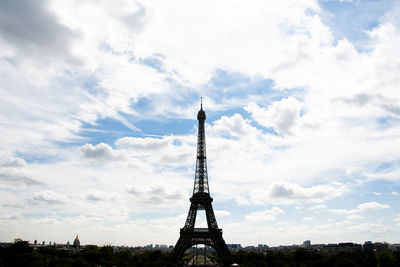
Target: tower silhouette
(201, 200)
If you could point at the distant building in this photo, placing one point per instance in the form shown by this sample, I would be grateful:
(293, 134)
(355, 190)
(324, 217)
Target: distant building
(307, 244)
(395, 247)
(262, 247)
(332, 249)
(234, 247)
(77, 242)
(249, 248)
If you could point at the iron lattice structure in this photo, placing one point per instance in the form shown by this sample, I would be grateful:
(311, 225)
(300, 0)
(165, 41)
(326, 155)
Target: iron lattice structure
(201, 200)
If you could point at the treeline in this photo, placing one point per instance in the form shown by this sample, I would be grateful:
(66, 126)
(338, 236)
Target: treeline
(304, 258)
(21, 254)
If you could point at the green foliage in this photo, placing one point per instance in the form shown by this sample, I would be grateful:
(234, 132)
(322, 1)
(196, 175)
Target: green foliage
(21, 253)
(91, 254)
(107, 256)
(387, 259)
(346, 262)
(304, 258)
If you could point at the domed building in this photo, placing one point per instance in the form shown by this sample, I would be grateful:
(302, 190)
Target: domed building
(77, 243)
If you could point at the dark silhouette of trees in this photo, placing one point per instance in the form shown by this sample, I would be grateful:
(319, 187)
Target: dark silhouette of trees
(304, 258)
(21, 253)
(386, 259)
(18, 254)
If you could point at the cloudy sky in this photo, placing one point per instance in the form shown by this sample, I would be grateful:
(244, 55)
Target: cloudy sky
(98, 105)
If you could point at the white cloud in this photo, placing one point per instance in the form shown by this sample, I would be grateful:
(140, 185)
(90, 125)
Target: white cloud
(13, 162)
(45, 221)
(391, 174)
(242, 200)
(372, 206)
(287, 193)
(370, 228)
(287, 190)
(318, 207)
(29, 36)
(222, 213)
(14, 216)
(147, 144)
(367, 206)
(96, 195)
(353, 217)
(16, 179)
(245, 43)
(281, 115)
(50, 197)
(343, 211)
(119, 214)
(101, 152)
(234, 126)
(160, 151)
(262, 216)
(158, 193)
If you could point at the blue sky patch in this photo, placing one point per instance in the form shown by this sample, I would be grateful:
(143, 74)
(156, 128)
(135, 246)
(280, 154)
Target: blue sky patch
(349, 19)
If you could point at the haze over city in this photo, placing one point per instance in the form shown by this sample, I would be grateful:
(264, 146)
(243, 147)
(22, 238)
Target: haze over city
(98, 105)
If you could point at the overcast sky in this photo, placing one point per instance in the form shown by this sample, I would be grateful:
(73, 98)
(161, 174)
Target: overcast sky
(98, 129)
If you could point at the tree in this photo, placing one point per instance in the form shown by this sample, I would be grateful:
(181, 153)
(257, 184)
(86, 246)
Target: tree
(106, 256)
(386, 259)
(91, 254)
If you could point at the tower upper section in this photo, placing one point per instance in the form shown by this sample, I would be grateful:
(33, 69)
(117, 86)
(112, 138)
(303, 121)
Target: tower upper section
(201, 177)
(201, 115)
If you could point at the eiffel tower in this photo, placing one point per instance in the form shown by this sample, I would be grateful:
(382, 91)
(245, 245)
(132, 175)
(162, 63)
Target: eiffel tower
(201, 200)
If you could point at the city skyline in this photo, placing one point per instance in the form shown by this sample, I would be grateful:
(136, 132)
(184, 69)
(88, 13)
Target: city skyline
(98, 104)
